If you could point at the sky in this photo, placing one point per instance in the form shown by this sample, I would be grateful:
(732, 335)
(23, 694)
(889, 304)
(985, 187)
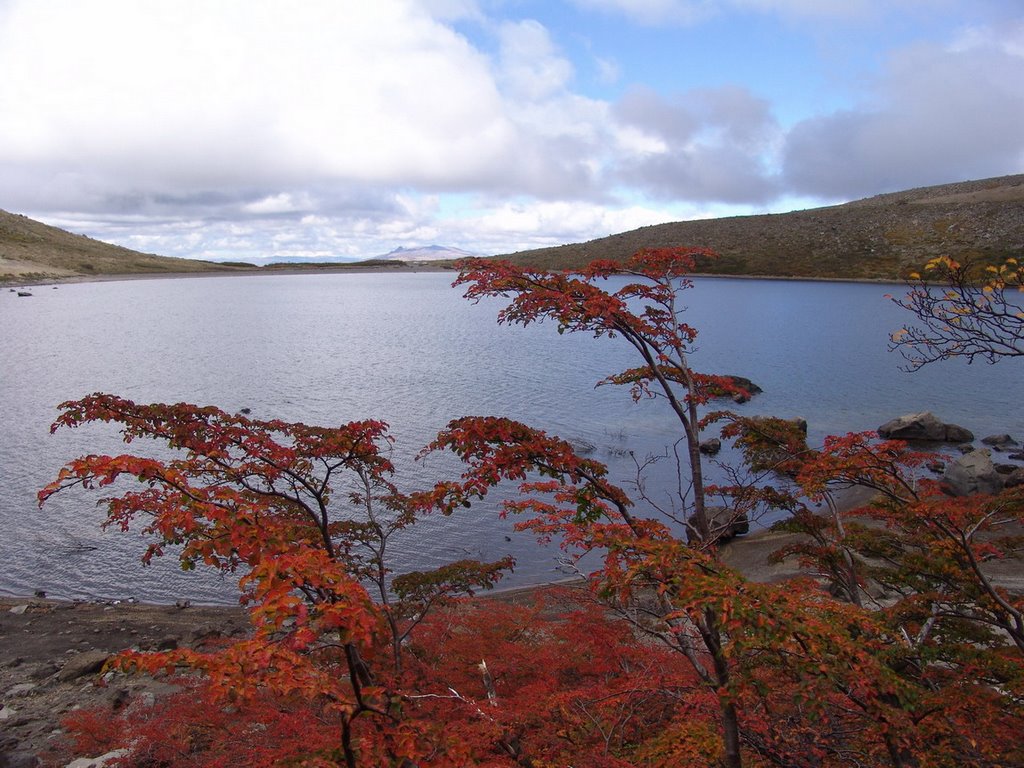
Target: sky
(256, 130)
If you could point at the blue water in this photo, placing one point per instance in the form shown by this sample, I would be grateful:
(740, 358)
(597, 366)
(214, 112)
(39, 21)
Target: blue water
(406, 348)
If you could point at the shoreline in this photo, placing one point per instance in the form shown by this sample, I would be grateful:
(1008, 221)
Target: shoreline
(34, 279)
(747, 553)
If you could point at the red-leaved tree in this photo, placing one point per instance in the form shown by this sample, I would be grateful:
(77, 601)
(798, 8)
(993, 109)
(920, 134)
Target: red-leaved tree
(303, 515)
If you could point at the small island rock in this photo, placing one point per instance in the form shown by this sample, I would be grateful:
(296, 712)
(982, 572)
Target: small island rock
(924, 426)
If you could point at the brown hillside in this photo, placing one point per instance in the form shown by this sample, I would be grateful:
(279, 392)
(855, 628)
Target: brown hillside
(881, 237)
(30, 250)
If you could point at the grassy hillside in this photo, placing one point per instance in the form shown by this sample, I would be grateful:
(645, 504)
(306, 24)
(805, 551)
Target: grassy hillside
(30, 250)
(881, 237)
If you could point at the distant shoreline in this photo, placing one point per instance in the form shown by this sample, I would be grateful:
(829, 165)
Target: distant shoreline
(375, 269)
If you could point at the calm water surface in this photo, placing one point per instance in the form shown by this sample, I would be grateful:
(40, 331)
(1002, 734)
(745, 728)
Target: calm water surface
(328, 349)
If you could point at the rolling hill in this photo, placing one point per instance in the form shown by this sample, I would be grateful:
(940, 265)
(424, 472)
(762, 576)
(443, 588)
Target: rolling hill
(881, 237)
(33, 251)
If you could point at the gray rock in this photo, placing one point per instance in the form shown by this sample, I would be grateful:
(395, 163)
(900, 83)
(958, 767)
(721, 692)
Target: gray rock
(711, 446)
(924, 426)
(206, 632)
(1000, 442)
(1019, 456)
(1014, 479)
(18, 759)
(973, 473)
(99, 762)
(725, 523)
(43, 671)
(957, 434)
(85, 663)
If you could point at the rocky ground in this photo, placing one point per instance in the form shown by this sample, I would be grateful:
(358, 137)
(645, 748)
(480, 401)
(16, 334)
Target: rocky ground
(51, 654)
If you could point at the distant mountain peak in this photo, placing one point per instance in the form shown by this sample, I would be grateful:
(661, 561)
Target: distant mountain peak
(427, 253)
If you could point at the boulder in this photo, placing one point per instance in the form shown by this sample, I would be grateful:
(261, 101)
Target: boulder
(973, 473)
(1014, 479)
(924, 426)
(725, 523)
(711, 446)
(1000, 442)
(798, 422)
(745, 384)
(82, 664)
(957, 434)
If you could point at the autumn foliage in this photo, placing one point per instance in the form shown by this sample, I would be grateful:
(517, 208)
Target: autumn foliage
(963, 311)
(896, 648)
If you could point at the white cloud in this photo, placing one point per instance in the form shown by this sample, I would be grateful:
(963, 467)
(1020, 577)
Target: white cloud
(194, 94)
(935, 115)
(705, 144)
(144, 105)
(283, 202)
(531, 68)
(514, 226)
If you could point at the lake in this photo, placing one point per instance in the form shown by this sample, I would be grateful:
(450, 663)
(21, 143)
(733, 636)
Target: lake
(406, 348)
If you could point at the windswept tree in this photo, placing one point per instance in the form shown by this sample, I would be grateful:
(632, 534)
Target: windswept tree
(304, 516)
(646, 562)
(964, 312)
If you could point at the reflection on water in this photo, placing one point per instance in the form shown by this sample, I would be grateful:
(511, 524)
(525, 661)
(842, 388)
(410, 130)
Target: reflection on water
(327, 349)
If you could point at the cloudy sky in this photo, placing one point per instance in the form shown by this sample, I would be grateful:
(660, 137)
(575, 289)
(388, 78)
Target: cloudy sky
(245, 129)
